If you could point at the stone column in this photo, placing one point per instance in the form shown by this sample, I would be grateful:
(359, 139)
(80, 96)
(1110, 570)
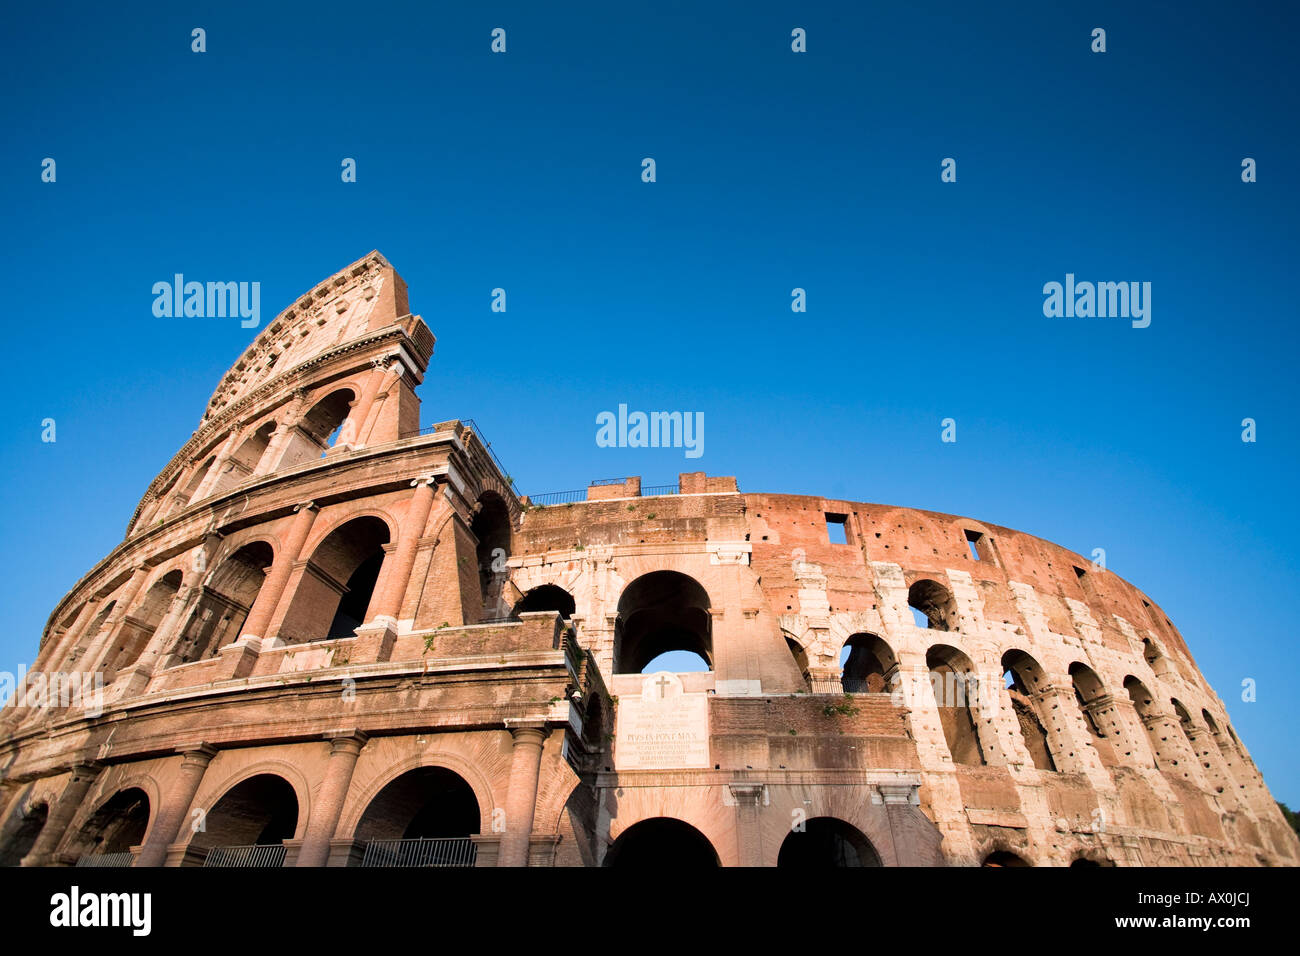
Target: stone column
(103, 641)
(417, 515)
(175, 805)
(1121, 717)
(1063, 718)
(268, 597)
(55, 650)
(521, 799)
(366, 420)
(138, 675)
(748, 797)
(328, 805)
(356, 420)
(56, 824)
(218, 466)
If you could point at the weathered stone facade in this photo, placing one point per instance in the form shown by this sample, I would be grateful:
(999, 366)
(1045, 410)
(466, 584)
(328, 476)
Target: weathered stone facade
(333, 637)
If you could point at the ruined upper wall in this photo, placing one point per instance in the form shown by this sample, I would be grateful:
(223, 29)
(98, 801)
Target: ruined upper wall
(361, 298)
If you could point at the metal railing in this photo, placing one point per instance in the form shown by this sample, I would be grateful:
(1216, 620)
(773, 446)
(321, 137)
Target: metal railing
(472, 425)
(262, 856)
(425, 851)
(836, 685)
(651, 490)
(125, 858)
(557, 498)
(566, 497)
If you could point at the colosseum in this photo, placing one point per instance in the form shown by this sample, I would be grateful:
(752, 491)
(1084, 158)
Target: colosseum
(332, 636)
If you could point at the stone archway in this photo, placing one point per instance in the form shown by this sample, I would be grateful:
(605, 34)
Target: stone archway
(662, 842)
(826, 842)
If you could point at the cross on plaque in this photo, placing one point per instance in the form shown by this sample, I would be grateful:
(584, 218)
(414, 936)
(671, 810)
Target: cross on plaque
(661, 683)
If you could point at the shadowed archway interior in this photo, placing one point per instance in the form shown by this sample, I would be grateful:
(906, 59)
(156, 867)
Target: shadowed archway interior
(662, 842)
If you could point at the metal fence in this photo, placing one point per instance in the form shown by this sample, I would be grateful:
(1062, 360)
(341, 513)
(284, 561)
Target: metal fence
(557, 498)
(125, 858)
(836, 685)
(261, 856)
(426, 851)
(651, 490)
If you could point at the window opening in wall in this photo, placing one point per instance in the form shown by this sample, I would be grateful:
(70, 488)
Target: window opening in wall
(972, 542)
(837, 528)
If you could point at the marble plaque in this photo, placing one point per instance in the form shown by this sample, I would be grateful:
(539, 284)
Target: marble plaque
(663, 729)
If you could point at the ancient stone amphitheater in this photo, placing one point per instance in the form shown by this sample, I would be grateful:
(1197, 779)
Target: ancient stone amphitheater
(334, 637)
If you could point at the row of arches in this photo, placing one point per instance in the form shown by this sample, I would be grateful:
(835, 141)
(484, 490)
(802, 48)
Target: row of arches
(277, 442)
(430, 803)
(868, 665)
(669, 843)
(330, 601)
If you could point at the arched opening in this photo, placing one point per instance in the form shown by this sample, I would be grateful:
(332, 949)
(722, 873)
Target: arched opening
(334, 596)
(87, 637)
(1085, 862)
(1090, 695)
(1157, 661)
(932, 605)
(321, 427)
(800, 658)
(1004, 858)
(138, 626)
(547, 597)
(1144, 704)
(119, 824)
(826, 842)
(658, 613)
(866, 665)
(190, 493)
(223, 603)
(956, 688)
(423, 818)
(491, 529)
(1210, 722)
(244, 461)
(1025, 680)
(249, 824)
(662, 842)
(20, 832)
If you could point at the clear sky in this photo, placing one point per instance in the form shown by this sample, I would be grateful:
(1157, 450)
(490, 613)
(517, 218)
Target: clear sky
(774, 171)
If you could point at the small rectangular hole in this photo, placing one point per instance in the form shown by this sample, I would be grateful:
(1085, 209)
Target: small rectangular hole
(837, 529)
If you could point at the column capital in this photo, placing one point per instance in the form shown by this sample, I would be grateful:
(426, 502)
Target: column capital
(199, 755)
(346, 741)
(306, 506)
(525, 729)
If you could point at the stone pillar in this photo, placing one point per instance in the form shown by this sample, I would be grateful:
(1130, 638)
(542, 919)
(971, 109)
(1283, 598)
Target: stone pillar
(328, 805)
(175, 805)
(748, 797)
(1058, 705)
(268, 597)
(366, 420)
(103, 641)
(56, 824)
(1120, 717)
(521, 799)
(351, 434)
(208, 485)
(55, 650)
(417, 515)
(137, 676)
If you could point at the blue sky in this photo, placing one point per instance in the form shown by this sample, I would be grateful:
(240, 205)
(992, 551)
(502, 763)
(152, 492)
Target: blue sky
(775, 171)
